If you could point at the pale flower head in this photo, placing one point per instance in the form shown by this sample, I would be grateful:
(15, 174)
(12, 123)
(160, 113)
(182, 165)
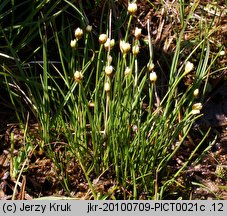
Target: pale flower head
(128, 70)
(135, 50)
(222, 53)
(195, 112)
(73, 43)
(125, 47)
(109, 59)
(188, 67)
(196, 92)
(109, 43)
(107, 87)
(78, 76)
(89, 28)
(78, 33)
(196, 108)
(150, 66)
(153, 77)
(109, 70)
(132, 8)
(102, 38)
(138, 33)
(91, 104)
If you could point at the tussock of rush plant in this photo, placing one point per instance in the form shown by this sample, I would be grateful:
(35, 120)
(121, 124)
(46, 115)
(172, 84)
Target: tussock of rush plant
(137, 149)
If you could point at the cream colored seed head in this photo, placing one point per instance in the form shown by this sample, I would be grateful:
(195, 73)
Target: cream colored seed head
(89, 28)
(132, 8)
(196, 93)
(107, 87)
(153, 77)
(91, 104)
(195, 112)
(222, 53)
(78, 76)
(109, 70)
(135, 50)
(125, 47)
(138, 33)
(188, 67)
(102, 38)
(109, 43)
(109, 59)
(73, 43)
(150, 66)
(196, 108)
(127, 71)
(78, 33)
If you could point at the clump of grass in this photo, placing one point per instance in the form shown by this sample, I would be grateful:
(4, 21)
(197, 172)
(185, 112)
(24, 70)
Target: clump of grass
(96, 97)
(136, 150)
